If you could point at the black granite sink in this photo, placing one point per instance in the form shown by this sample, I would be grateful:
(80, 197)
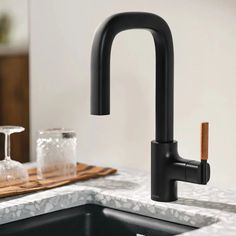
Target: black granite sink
(91, 220)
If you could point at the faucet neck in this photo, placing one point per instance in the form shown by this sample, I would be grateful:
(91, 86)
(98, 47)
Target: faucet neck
(100, 67)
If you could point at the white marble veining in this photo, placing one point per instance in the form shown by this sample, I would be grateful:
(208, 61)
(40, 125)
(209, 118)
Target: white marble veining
(209, 208)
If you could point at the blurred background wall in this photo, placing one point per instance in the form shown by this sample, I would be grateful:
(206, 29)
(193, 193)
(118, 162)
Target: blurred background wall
(204, 34)
(14, 74)
(18, 12)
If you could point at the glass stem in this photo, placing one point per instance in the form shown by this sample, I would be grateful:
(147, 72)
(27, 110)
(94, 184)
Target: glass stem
(7, 147)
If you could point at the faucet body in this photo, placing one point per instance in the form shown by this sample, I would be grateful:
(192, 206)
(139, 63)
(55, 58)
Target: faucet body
(166, 165)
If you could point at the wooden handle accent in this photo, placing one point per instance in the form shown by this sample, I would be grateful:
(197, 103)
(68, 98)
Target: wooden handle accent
(204, 141)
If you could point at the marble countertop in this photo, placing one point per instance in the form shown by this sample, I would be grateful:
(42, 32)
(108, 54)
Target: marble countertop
(209, 208)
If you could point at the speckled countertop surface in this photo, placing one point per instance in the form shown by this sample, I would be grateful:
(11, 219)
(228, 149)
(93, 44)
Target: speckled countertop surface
(201, 206)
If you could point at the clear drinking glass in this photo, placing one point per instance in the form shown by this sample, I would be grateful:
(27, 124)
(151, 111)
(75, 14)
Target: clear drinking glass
(56, 153)
(11, 172)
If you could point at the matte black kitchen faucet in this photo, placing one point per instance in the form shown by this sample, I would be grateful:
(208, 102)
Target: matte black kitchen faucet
(166, 165)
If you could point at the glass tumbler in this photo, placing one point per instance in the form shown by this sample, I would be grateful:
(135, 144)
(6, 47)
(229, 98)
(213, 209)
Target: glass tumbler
(56, 153)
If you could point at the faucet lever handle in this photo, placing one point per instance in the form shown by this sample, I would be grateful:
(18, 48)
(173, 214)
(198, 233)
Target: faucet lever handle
(204, 141)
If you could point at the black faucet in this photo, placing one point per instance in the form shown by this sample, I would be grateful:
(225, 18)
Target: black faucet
(166, 165)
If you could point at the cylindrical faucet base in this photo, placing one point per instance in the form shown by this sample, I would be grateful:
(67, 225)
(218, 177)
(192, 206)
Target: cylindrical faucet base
(163, 188)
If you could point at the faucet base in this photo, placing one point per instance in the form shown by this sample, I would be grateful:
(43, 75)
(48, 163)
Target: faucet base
(163, 187)
(170, 197)
(167, 167)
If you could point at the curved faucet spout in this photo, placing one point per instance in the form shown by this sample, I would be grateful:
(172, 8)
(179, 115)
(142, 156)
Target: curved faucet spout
(100, 67)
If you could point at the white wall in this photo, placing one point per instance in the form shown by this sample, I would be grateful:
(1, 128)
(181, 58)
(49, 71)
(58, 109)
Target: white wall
(204, 34)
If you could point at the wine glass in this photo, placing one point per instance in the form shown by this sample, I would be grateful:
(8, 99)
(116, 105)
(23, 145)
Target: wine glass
(11, 172)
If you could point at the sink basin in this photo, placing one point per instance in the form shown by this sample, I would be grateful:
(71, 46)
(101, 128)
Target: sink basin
(92, 220)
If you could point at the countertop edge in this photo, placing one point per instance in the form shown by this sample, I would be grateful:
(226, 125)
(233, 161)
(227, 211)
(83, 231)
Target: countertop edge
(124, 191)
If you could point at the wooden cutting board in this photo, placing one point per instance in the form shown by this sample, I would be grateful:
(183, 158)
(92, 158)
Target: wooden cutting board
(84, 172)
